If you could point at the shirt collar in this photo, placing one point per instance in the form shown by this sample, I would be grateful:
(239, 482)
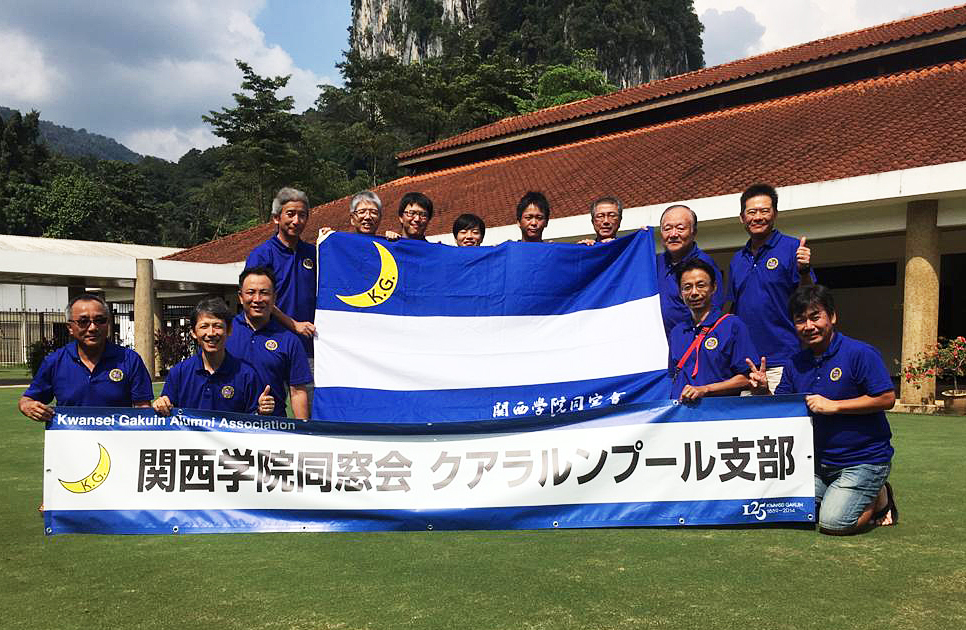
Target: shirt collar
(833, 346)
(270, 328)
(691, 253)
(110, 350)
(712, 317)
(770, 243)
(224, 368)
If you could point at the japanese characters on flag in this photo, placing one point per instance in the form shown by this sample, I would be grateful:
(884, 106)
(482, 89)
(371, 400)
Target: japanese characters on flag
(724, 461)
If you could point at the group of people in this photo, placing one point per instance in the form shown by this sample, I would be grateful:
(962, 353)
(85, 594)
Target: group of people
(777, 337)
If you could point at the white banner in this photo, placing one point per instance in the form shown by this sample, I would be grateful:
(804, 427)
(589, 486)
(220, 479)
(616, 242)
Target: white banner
(651, 465)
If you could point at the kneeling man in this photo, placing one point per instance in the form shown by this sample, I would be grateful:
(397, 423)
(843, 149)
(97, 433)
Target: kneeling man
(707, 355)
(849, 391)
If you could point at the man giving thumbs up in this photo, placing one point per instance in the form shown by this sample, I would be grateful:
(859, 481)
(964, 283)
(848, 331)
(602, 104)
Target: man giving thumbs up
(762, 276)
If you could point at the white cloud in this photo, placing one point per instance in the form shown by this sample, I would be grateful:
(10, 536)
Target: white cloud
(141, 72)
(169, 141)
(25, 75)
(791, 22)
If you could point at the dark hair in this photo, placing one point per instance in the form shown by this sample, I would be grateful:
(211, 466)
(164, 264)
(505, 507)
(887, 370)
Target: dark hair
(611, 200)
(468, 222)
(756, 190)
(696, 263)
(533, 199)
(260, 270)
(811, 295)
(694, 217)
(214, 306)
(419, 199)
(89, 297)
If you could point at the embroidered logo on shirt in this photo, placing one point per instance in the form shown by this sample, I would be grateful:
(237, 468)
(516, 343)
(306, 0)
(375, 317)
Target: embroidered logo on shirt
(308, 263)
(835, 374)
(227, 391)
(711, 343)
(272, 345)
(772, 263)
(116, 375)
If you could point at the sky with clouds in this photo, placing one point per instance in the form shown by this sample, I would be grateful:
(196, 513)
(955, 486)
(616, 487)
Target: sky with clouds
(144, 72)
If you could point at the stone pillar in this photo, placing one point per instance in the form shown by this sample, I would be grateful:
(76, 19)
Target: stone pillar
(920, 298)
(145, 313)
(157, 327)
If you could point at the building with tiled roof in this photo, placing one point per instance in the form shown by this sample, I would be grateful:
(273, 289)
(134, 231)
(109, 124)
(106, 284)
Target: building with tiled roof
(863, 134)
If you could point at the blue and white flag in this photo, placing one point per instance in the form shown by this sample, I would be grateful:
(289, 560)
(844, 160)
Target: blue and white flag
(416, 332)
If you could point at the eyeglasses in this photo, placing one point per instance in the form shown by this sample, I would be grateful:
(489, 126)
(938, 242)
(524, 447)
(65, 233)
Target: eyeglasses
(366, 212)
(409, 214)
(85, 322)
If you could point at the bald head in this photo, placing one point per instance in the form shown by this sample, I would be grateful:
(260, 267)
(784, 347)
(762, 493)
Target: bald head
(679, 224)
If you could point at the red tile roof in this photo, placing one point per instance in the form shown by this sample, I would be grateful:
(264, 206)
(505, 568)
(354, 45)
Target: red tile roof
(743, 68)
(893, 122)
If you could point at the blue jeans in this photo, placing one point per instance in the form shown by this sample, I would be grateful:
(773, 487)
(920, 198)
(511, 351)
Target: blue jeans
(842, 494)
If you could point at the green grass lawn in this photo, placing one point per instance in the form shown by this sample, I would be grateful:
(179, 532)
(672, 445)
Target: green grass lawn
(910, 576)
(18, 372)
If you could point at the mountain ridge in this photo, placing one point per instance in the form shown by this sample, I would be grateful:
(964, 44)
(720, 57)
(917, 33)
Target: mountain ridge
(80, 142)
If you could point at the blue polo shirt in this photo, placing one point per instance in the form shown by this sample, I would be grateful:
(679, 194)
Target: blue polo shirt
(232, 387)
(275, 353)
(848, 369)
(720, 356)
(295, 283)
(673, 309)
(119, 379)
(760, 285)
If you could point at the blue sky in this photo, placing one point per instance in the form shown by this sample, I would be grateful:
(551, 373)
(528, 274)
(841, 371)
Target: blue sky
(313, 32)
(145, 72)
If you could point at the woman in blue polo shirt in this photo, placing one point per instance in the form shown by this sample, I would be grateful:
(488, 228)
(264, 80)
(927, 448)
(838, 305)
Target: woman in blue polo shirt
(848, 392)
(707, 355)
(213, 379)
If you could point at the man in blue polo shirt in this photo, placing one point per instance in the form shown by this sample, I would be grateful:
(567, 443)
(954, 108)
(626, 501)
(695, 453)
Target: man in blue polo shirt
(679, 226)
(762, 276)
(848, 392)
(707, 356)
(276, 354)
(90, 371)
(292, 260)
(212, 379)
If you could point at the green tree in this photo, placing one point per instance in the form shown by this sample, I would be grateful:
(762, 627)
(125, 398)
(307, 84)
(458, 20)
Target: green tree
(561, 84)
(262, 134)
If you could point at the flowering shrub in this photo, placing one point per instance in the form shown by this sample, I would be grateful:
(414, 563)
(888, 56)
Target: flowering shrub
(173, 344)
(946, 359)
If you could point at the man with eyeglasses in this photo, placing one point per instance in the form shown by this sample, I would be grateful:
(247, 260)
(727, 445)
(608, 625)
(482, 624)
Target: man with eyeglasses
(415, 213)
(763, 275)
(679, 225)
(605, 216)
(90, 371)
(292, 260)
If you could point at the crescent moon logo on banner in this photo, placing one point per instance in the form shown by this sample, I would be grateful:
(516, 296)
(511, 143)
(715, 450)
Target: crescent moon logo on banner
(384, 286)
(91, 481)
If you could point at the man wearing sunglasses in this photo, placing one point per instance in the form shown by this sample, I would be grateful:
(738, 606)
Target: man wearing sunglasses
(90, 371)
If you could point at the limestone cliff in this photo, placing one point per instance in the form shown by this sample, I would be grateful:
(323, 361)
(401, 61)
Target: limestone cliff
(635, 40)
(390, 26)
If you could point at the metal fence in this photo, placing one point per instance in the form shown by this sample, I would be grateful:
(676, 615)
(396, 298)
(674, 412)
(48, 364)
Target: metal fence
(20, 329)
